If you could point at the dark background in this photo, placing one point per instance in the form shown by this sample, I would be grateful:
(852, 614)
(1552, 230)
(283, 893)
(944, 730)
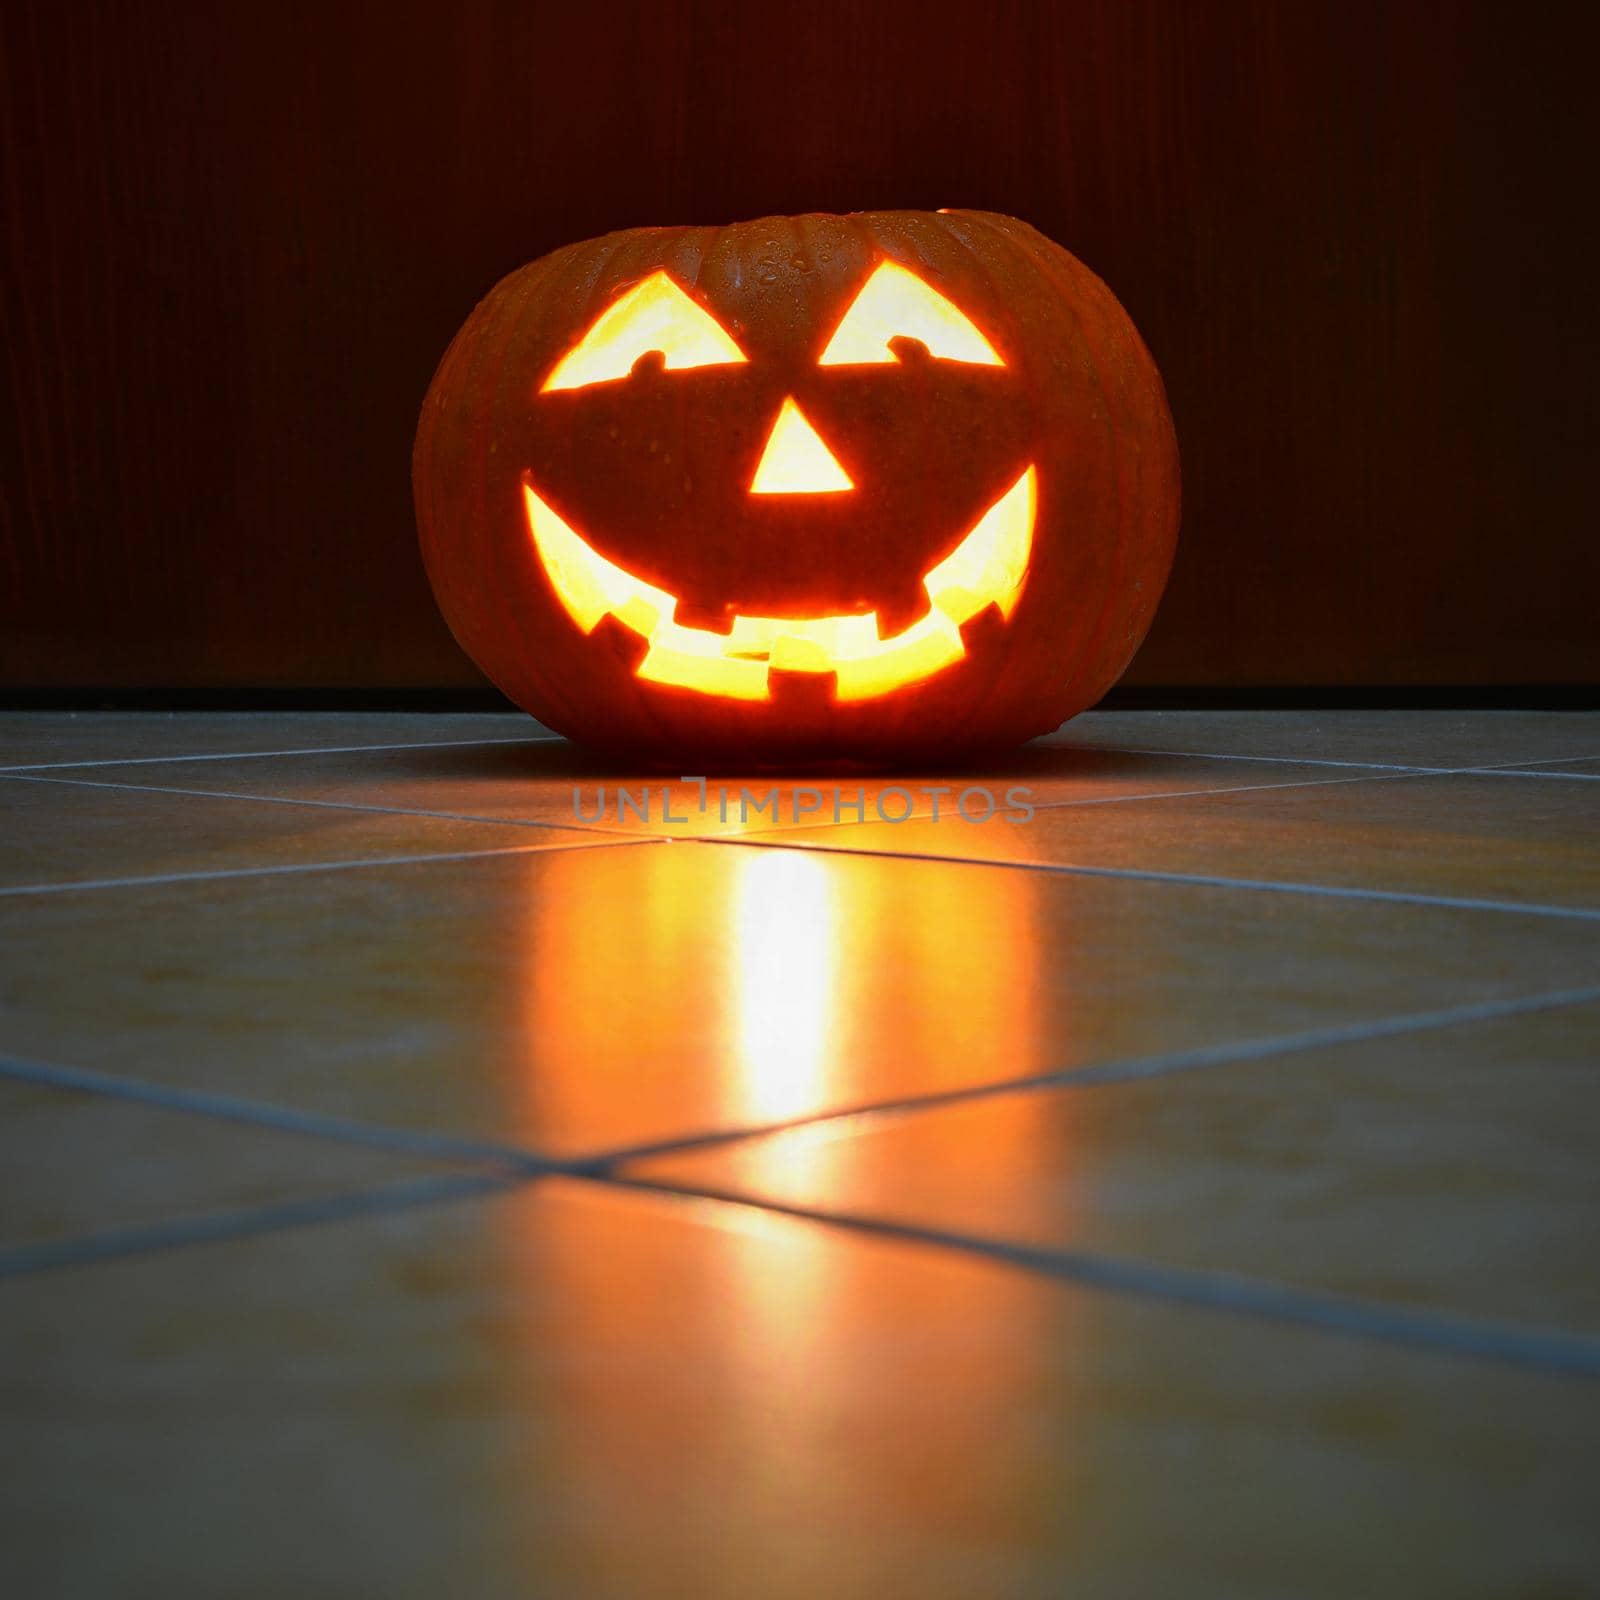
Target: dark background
(1357, 238)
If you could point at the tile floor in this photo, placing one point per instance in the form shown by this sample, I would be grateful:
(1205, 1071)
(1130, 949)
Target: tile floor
(411, 1185)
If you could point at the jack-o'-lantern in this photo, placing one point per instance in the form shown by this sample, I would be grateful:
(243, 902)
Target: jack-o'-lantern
(880, 487)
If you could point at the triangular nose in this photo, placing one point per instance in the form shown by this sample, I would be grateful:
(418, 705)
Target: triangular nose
(796, 461)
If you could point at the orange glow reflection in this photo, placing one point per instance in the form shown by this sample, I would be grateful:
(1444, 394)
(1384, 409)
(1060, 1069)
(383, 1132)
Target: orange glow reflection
(674, 988)
(713, 1368)
(784, 979)
(706, 1400)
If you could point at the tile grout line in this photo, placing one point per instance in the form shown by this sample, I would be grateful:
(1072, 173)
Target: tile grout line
(18, 776)
(300, 867)
(1543, 761)
(556, 738)
(1317, 761)
(330, 805)
(1545, 1350)
(1373, 772)
(1150, 875)
(1549, 1351)
(588, 825)
(1205, 755)
(259, 755)
(213, 1227)
(765, 834)
(1529, 772)
(1250, 788)
(264, 1114)
(1500, 1342)
(1378, 772)
(320, 1125)
(764, 837)
(1131, 1069)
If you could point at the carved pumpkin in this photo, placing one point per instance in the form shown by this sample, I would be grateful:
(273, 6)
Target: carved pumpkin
(880, 487)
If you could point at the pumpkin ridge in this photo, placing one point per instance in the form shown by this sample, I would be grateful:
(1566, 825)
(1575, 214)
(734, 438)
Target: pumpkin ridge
(455, 389)
(519, 620)
(1044, 254)
(1146, 373)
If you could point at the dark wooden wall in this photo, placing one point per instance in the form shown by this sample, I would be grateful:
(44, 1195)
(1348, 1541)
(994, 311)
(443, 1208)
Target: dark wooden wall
(237, 238)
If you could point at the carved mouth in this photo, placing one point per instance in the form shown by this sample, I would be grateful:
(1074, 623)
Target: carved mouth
(988, 568)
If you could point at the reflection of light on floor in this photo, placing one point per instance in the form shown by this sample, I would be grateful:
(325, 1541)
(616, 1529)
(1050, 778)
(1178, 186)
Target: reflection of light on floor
(784, 952)
(664, 990)
(755, 1400)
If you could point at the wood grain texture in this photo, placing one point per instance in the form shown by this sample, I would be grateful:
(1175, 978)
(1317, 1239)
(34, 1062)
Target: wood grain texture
(237, 238)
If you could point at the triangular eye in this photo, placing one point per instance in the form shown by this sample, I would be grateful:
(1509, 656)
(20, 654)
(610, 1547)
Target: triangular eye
(895, 303)
(655, 314)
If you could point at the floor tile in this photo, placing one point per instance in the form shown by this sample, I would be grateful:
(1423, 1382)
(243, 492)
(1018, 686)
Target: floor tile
(1423, 738)
(1501, 838)
(55, 736)
(1567, 769)
(556, 782)
(574, 1392)
(78, 1164)
(1452, 1168)
(53, 833)
(589, 999)
(1410, 738)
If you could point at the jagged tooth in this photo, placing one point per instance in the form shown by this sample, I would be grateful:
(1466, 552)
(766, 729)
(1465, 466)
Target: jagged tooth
(981, 630)
(640, 615)
(612, 634)
(900, 608)
(958, 604)
(802, 698)
(703, 614)
(790, 654)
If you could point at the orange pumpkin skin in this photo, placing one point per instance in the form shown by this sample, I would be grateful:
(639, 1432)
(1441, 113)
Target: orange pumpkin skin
(655, 468)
